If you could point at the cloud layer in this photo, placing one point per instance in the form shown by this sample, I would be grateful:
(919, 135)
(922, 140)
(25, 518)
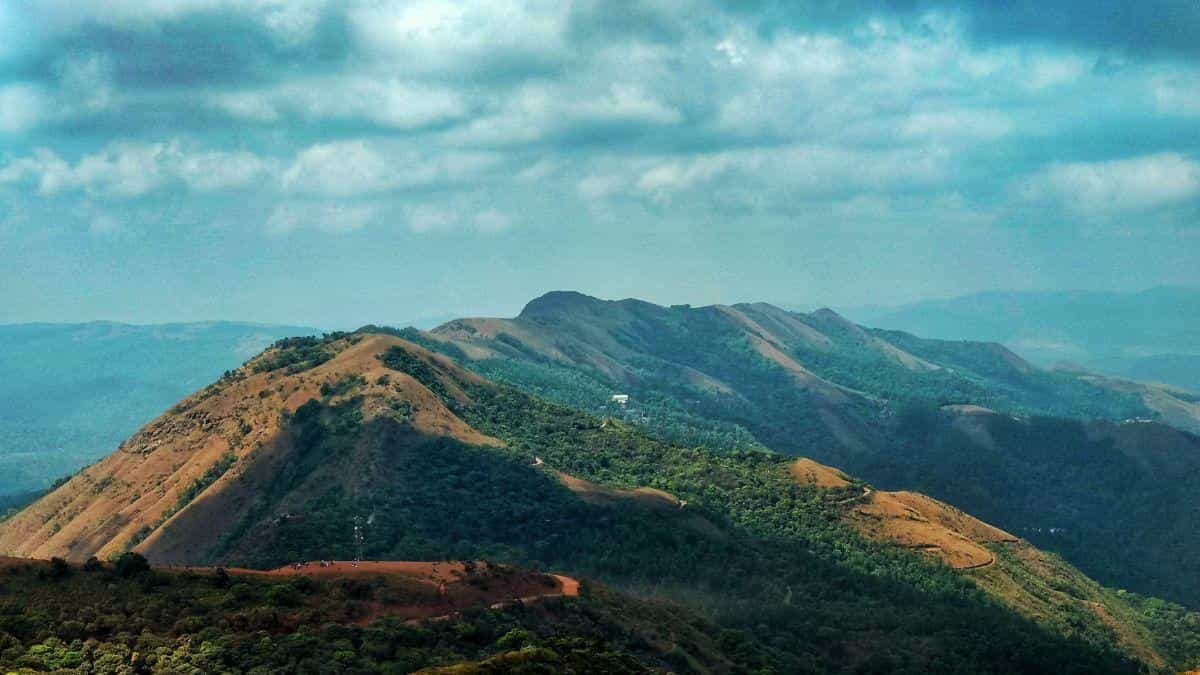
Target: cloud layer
(489, 119)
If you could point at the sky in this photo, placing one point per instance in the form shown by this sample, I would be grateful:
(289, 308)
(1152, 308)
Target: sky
(338, 163)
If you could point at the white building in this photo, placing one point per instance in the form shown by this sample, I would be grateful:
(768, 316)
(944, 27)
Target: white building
(620, 399)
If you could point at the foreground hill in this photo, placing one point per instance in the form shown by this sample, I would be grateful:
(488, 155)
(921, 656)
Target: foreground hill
(373, 617)
(321, 446)
(887, 406)
(1149, 335)
(72, 392)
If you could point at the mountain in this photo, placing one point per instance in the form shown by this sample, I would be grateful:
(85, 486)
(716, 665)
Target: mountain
(885, 405)
(323, 447)
(72, 392)
(463, 616)
(1149, 335)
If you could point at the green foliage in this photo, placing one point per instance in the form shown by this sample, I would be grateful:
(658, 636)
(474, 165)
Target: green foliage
(1060, 485)
(297, 354)
(129, 565)
(106, 622)
(1175, 628)
(663, 416)
(343, 386)
(1080, 497)
(769, 557)
(398, 358)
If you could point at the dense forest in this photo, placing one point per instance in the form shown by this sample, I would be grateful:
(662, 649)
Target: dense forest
(123, 618)
(717, 560)
(1042, 473)
(753, 549)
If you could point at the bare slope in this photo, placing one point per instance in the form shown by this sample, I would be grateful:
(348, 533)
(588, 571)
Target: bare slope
(176, 486)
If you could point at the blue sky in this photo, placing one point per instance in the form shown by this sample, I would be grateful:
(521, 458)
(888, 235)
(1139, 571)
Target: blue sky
(337, 163)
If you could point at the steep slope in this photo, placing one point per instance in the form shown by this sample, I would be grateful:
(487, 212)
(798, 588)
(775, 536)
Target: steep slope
(638, 345)
(200, 466)
(882, 409)
(1118, 499)
(1174, 406)
(371, 434)
(793, 380)
(71, 392)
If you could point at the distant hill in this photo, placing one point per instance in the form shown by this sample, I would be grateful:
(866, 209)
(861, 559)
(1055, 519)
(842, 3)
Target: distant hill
(71, 392)
(1148, 335)
(321, 447)
(885, 405)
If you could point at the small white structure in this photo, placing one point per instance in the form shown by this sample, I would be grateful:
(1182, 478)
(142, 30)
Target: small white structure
(620, 399)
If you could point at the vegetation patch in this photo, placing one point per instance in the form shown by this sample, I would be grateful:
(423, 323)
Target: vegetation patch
(297, 354)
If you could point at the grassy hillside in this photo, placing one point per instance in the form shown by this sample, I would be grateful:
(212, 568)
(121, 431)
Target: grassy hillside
(1118, 500)
(435, 463)
(72, 392)
(878, 404)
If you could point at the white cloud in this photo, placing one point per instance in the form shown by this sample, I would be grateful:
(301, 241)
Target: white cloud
(22, 107)
(129, 169)
(44, 167)
(599, 186)
(1177, 94)
(356, 167)
(733, 52)
(384, 100)
(253, 106)
(539, 110)
(957, 124)
(325, 216)
(423, 218)
(1044, 71)
(623, 102)
(440, 36)
(290, 22)
(779, 176)
(663, 180)
(428, 218)
(1118, 185)
(208, 171)
(103, 224)
(86, 82)
(340, 169)
(492, 220)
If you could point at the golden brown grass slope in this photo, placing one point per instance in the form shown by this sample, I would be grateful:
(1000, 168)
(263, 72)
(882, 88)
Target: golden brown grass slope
(132, 498)
(1034, 583)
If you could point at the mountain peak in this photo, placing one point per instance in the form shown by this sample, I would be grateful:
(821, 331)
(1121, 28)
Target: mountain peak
(558, 302)
(828, 314)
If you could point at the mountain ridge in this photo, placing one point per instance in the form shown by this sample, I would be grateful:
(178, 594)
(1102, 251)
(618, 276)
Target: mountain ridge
(365, 424)
(877, 403)
(1147, 335)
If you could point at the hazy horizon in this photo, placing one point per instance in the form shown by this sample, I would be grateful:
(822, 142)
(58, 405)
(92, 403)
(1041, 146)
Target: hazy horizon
(432, 321)
(344, 163)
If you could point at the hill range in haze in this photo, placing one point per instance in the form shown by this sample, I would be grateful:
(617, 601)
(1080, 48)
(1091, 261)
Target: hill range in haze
(1082, 465)
(746, 560)
(71, 392)
(708, 498)
(1148, 335)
